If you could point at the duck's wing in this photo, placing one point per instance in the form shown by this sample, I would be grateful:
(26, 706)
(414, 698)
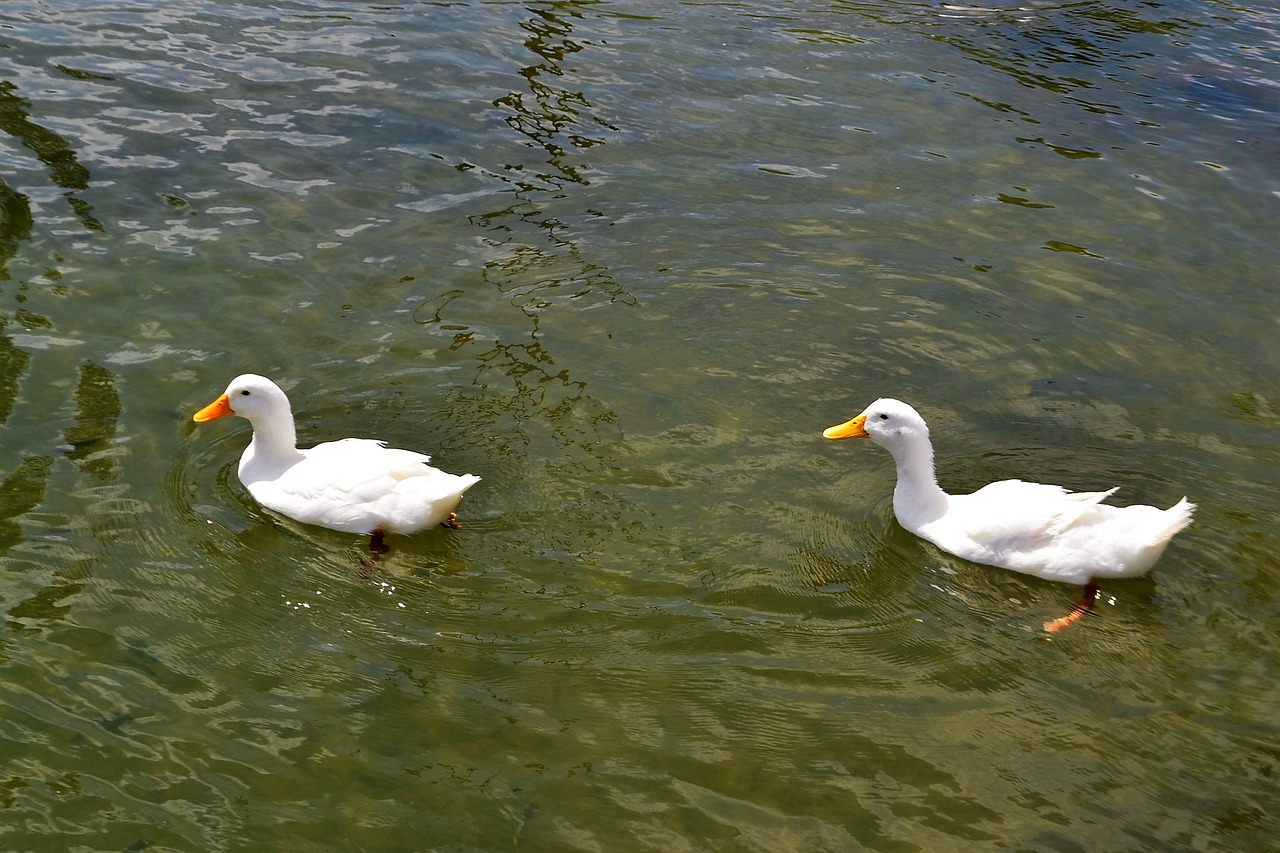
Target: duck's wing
(366, 471)
(359, 485)
(359, 467)
(1027, 513)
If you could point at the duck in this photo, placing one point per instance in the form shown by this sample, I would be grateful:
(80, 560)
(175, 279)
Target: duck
(1033, 528)
(352, 485)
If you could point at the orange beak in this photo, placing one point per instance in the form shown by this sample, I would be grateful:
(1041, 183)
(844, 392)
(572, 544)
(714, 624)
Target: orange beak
(219, 408)
(849, 429)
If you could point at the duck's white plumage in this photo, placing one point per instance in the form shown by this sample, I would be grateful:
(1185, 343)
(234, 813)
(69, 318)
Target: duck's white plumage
(356, 485)
(1037, 529)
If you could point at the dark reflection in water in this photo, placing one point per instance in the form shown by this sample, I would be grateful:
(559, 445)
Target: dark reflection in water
(65, 169)
(1027, 44)
(20, 492)
(1108, 60)
(15, 225)
(542, 265)
(97, 412)
(557, 119)
(743, 666)
(13, 363)
(49, 604)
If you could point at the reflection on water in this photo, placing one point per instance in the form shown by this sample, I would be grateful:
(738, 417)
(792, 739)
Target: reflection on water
(625, 261)
(562, 122)
(23, 489)
(65, 170)
(13, 363)
(539, 267)
(97, 412)
(15, 225)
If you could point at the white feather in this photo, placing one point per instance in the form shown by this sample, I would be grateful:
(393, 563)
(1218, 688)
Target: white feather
(1033, 528)
(356, 485)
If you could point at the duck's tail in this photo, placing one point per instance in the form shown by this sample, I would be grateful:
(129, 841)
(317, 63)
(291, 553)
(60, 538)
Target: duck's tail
(1174, 519)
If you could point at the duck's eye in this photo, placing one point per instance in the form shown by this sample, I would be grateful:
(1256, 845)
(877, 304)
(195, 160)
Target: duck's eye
(884, 417)
(244, 393)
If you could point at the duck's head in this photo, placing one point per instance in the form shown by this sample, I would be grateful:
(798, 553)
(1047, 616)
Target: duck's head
(887, 422)
(249, 396)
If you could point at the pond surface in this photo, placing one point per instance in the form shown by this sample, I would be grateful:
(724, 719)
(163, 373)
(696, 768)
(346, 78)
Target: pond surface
(625, 261)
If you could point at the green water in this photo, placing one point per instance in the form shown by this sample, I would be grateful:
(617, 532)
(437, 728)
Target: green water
(625, 261)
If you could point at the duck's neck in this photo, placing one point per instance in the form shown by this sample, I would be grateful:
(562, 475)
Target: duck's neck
(917, 498)
(275, 444)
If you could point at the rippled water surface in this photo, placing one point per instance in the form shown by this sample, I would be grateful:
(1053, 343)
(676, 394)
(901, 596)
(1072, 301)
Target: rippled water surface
(625, 261)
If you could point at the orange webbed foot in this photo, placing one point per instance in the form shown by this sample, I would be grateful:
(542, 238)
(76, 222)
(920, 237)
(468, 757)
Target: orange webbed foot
(1080, 609)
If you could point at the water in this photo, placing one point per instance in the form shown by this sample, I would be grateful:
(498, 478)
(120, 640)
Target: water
(625, 261)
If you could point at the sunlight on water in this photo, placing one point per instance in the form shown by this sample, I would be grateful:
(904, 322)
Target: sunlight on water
(625, 261)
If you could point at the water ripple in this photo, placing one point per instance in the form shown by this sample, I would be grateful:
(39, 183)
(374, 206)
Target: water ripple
(580, 250)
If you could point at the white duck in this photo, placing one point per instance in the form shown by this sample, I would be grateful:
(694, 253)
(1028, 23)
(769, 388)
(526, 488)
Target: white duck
(356, 485)
(1032, 528)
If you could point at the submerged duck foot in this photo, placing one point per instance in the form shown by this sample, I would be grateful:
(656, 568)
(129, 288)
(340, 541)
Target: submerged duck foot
(1083, 607)
(452, 522)
(377, 548)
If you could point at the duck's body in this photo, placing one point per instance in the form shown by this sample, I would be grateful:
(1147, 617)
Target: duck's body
(1048, 531)
(1037, 529)
(355, 485)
